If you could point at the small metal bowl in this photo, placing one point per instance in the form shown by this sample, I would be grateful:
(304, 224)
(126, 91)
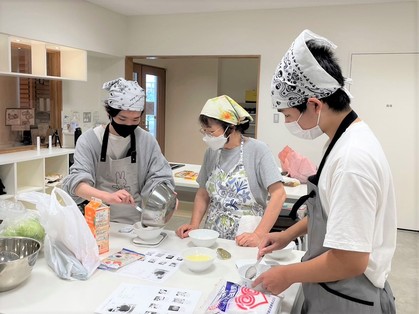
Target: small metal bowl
(19, 255)
(159, 207)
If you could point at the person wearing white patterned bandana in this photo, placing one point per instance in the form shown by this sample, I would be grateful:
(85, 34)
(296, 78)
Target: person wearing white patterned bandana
(119, 163)
(351, 222)
(236, 177)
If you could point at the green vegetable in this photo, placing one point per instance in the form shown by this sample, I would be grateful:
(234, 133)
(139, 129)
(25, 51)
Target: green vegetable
(30, 228)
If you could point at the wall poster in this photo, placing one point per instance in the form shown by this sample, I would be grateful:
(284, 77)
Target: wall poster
(21, 118)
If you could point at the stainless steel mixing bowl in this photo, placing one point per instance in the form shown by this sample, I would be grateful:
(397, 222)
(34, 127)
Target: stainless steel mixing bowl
(19, 255)
(159, 207)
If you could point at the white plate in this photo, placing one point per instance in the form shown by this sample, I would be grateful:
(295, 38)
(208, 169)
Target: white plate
(150, 243)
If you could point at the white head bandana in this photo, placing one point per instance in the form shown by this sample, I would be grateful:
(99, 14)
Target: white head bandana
(125, 95)
(299, 76)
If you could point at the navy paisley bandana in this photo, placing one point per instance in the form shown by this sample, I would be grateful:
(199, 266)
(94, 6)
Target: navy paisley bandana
(299, 76)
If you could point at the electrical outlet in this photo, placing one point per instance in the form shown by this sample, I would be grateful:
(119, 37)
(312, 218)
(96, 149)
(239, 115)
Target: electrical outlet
(276, 117)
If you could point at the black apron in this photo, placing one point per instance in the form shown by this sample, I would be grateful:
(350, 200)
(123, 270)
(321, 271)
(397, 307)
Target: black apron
(355, 295)
(113, 175)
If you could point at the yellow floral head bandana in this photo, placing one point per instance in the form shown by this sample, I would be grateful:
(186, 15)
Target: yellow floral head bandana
(224, 108)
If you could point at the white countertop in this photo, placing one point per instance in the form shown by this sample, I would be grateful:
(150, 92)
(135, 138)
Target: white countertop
(33, 154)
(45, 293)
(293, 193)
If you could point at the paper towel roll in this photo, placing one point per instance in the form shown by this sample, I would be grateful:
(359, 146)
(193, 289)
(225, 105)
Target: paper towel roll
(38, 144)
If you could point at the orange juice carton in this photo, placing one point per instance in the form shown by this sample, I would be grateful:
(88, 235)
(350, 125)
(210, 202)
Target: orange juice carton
(97, 216)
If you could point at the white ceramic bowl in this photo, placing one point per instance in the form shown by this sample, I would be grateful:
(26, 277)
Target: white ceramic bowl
(198, 258)
(261, 268)
(203, 237)
(283, 253)
(146, 233)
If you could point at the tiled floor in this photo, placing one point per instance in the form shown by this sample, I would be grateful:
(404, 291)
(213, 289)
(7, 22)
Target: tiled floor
(404, 278)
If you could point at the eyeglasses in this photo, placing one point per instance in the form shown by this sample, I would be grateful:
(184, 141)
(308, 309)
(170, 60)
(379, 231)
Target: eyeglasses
(209, 133)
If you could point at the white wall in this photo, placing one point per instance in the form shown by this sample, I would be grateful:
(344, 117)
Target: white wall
(189, 83)
(268, 33)
(73, 23)
(236, 76)
(76, 24)
(88, 96)
(358, 28)
(396, 129)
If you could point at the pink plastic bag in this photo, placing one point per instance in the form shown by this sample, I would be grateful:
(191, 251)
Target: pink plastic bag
(297, 166)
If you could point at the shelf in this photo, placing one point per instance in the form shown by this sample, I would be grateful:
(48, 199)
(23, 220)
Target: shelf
(30, 189)
(26, 171)
(23, 57)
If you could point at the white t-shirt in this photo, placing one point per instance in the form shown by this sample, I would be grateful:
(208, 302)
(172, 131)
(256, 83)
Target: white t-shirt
(357, 194)
(117, 147)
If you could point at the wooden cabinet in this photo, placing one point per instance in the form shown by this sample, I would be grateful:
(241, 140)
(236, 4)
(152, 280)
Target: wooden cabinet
(26, 171)
(30, 58)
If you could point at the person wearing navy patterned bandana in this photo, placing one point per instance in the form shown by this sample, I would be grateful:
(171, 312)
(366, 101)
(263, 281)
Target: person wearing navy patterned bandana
(351, 221)
(119, 163)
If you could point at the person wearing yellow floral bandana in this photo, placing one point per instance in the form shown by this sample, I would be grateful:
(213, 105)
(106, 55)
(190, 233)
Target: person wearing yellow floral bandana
(236, 177)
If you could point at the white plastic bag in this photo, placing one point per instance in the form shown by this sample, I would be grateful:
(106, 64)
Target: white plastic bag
(70, 248)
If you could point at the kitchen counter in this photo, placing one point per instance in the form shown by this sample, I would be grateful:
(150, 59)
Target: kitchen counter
(189, 185)
(45, 293)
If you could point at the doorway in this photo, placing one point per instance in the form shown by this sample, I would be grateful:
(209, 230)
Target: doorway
(190, 82)
(153, 80)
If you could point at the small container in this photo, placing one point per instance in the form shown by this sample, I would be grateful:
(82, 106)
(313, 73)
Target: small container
(261, 268)
(203, 237)
(146, 233)
(15, 271)
(198, 259)
(97, 216)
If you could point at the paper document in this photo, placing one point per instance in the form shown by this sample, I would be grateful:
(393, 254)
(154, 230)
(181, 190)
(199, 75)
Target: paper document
(136, 299)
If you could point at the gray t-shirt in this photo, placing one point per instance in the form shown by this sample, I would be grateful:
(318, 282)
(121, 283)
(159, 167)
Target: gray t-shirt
(260, 165)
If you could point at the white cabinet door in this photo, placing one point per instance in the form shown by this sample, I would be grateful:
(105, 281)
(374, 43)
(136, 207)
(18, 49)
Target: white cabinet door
(385, 89)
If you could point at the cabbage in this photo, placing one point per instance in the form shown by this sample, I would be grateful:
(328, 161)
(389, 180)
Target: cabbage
(30, 228)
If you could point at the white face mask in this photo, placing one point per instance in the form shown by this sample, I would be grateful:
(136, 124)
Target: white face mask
(309, 134)
(215, 142)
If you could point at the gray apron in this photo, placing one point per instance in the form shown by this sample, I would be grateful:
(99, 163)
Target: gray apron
(231, 200)
(355, 295)
(121, 174)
